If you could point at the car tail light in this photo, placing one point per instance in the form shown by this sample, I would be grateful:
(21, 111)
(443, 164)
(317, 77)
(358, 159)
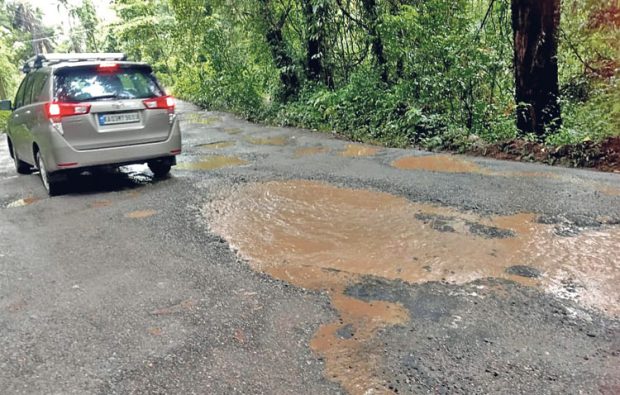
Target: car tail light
(55, 111)
(160, 103)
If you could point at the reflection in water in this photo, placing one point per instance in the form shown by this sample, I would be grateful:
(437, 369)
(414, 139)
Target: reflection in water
(321, 237)
(212, 163)
(439, 163)
(357, 150)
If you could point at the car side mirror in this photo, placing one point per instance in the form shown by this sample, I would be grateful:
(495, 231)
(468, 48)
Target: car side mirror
(6, 105)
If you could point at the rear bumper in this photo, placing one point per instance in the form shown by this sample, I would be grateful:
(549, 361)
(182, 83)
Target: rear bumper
(59, 155)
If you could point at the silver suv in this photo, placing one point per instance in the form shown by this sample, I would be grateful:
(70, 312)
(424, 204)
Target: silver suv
(73, 112)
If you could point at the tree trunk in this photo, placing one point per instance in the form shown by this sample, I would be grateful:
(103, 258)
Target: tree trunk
(535, 25)
(315, 13)
(370, 9)
(279, 52)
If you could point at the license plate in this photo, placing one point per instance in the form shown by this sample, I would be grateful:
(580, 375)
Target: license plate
(113, 119)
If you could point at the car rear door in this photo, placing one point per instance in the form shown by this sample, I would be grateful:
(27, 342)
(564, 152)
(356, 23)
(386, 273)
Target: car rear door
(17, 124)
(118, 100)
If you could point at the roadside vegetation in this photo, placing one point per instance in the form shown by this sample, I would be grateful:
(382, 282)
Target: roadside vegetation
(457, 74)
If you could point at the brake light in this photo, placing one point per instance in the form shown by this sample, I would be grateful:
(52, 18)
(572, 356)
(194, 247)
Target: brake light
(107, 67)
(161, 103)
(55, 111)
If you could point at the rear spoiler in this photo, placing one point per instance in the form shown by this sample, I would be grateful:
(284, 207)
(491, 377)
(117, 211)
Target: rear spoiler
(36, 62)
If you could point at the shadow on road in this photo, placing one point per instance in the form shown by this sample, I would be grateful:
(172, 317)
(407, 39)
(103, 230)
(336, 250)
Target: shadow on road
(109, 180)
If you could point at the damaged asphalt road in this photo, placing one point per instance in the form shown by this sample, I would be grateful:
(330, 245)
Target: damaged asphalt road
(276, 260)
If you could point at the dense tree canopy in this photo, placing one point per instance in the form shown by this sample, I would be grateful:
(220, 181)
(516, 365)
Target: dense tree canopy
(432, 72)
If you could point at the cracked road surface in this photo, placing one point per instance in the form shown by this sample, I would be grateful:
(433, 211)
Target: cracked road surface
(281, 261)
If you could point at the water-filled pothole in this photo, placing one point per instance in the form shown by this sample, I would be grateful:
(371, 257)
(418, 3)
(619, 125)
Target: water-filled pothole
(278, 140)
(359, 150)
(437, 163)
(321, 237)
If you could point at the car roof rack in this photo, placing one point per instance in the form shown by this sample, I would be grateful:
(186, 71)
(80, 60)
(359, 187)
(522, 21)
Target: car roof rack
(38, 61)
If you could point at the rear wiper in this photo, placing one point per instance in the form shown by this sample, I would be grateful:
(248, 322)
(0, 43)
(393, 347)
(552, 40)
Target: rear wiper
(94, 98)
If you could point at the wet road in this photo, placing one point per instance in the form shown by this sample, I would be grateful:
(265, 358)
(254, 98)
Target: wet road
(281, 261)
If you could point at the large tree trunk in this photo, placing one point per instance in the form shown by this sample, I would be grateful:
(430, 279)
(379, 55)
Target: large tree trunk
(315, 13)
(535, 25)
(279, 52)
(376, 42)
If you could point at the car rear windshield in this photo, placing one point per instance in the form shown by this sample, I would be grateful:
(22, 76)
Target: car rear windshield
(95, 83)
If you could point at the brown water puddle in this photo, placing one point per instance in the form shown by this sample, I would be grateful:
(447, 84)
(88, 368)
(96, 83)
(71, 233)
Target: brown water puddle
(307, 151)
(217, 145)
(438, 163)
(279, 140)
(321, 237)
(141, 214)
(212, 163)
(23, 202)
(359, 150)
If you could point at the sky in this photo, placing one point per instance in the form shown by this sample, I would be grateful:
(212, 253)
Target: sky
(52, 16)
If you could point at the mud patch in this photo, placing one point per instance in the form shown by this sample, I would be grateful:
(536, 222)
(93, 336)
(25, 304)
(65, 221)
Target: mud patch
(308, 151)
(141, 214)
(217, 145)
(100, 204)
(359, 150)
(523, 271)
(321, 237)
(212, 163)
(23, 202)
(278, 140)
(437, 163)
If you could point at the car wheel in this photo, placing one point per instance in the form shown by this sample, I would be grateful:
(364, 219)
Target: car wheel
(21, 167)
(49, 181)
(160, 168)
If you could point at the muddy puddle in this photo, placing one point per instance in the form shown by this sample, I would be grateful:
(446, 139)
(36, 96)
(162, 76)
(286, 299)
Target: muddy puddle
(212, 163)
(321, 237)
(141, 214)
(23, 202)
(217, 145)
(199, 119)
(359, 150)
(278, 140)
(308, 151)
(437, 163)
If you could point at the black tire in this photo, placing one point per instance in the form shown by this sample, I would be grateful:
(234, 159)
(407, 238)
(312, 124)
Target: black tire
(21, 167)
(160, 168)
(50, 182)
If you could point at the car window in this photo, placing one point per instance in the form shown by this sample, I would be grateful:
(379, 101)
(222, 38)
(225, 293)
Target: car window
(91, 83)
(19, 97)
(28, 90)
(37, 88)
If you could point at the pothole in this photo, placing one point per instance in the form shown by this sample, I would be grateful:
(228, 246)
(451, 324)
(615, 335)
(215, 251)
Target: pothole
(27, 201)
(359, 150)
(437, 163)
(321, 237)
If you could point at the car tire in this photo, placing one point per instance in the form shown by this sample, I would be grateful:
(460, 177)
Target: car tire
(21, 167)
(50, 182)
(160, 168)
